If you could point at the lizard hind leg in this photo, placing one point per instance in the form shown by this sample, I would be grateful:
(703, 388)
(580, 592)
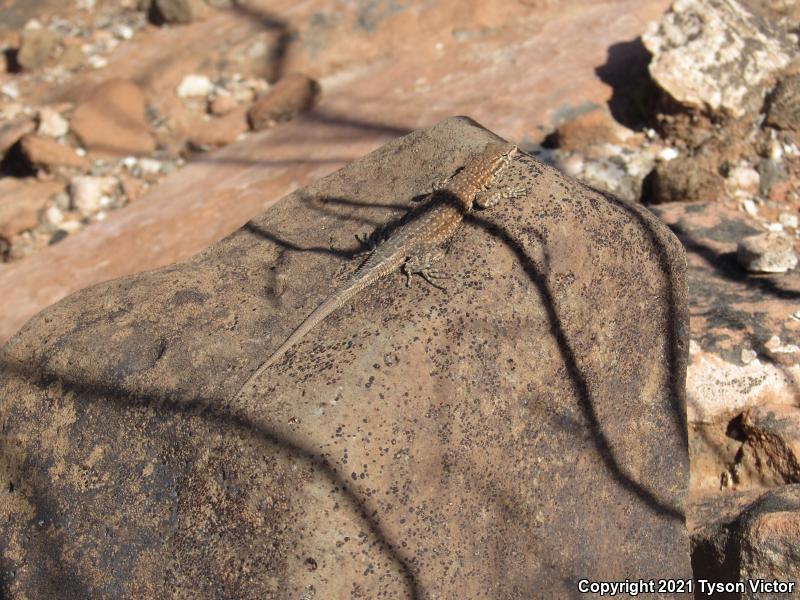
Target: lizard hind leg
(422, 263)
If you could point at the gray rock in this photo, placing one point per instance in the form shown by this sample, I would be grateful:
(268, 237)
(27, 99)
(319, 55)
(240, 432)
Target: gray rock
(766, 253)
(715, 55)
(771, 172)
(507, 437)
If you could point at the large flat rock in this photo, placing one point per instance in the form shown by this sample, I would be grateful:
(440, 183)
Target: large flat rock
(504, 439)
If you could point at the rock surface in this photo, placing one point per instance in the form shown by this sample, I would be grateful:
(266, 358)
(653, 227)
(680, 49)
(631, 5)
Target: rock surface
(417, 444)
(759, 541)
(772, 444)
(715, 55)
(111, 121)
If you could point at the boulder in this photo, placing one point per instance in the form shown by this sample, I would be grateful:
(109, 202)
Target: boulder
(505, 438)
(751, 538)
(715, 55)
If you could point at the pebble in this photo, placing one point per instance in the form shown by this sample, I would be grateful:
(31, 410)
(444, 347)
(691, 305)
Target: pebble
(88, 193)
(788, 220)
(51, 123)
(97, 62)
(10, 89)
(195, 85)
(749, 206)
(747, 356)
(150, 166)
(743, 181)
(766, 253)
(668, 154)
(53, 216)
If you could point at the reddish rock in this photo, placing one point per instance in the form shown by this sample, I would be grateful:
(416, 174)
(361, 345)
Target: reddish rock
(588, 129)
(11, 131)
(292, 95)
(181, 11)
(20, 203)
(772, 445)
(219, 131)
(132, 187)
(222, 105)
(111, 122)
(46, 152)
(684, 179)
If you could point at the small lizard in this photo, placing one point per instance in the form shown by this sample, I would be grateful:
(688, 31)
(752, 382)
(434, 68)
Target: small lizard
(416, 246)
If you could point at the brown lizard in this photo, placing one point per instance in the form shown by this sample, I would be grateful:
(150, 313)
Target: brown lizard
(416, 246)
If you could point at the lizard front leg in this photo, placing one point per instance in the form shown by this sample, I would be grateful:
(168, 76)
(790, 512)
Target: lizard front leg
(487, 200)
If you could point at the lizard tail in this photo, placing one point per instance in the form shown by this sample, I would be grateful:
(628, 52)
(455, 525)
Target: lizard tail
(363, 278)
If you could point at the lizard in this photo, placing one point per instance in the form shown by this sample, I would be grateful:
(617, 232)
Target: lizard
(416, 246)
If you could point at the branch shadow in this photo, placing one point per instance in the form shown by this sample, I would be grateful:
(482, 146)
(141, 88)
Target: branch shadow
(207, 409)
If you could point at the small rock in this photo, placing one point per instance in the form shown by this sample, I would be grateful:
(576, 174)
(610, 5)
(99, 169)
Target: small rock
(111, 122)
(97, 62)
(684, 179)
(749, 206)
(195, 85)
(180, 11)
(222, 104)
(766, 253)
(783, 105)
(37, 45)
(742, 181)
(772, 443)
(219, 131)
(72, 57)
(292, 95)
(747, 355)
(51, 123)
(715, 55)
(771, 172)
(88, 193)
(12, 130)
(788, 220)
(10, 89)
(588, 129)
(46, 152)
(53, 216)
(123, 32)
(132, 188)
(20, 203)
(149, 166)
(668, 154)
